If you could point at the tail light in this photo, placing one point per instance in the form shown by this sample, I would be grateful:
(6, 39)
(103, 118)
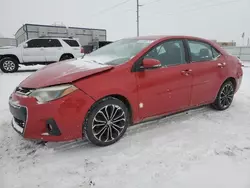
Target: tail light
(82, 50)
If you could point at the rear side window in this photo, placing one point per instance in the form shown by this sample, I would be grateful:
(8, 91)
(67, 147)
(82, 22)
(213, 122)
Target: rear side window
(72, 43)
(216, 54)
(53, 43)
(200, 51)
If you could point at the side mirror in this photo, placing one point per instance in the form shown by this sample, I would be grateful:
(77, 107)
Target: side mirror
(25, 45)
(149, 63)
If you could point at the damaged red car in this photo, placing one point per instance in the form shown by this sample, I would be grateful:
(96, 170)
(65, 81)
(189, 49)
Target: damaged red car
(126, 82)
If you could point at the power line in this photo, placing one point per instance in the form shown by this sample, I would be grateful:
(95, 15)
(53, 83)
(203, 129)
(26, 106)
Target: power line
(150, 2)
(111, 8)
(182, 5)
(199, 8)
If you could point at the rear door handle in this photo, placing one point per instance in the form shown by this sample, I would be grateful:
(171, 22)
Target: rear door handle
(222, 65)
(186, 72)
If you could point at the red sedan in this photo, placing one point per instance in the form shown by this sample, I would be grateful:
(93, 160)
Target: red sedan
(126, 82)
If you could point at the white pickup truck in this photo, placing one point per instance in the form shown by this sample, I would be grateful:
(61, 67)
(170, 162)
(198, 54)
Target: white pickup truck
(39, 51)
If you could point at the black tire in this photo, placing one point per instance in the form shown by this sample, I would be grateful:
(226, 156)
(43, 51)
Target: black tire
(101, 132)
(225, 96)
(66, 57)
(9, 65)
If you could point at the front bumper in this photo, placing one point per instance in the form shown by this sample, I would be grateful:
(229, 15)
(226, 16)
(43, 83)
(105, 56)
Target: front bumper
(58, 120)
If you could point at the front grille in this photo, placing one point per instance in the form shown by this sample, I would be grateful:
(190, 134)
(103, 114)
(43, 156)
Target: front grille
(20, 122)
(23, 91)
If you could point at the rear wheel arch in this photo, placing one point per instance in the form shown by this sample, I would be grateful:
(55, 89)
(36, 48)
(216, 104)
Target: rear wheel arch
(225, 95)
(232, 80)
(68, 55)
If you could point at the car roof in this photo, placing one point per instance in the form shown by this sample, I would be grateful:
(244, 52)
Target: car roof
(159, 38)
(163, 37)
(56, 38)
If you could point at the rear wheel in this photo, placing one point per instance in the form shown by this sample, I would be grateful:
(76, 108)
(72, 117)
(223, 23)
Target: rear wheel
(106, 122)
(66, 56)
(9, 65)
(225, 96)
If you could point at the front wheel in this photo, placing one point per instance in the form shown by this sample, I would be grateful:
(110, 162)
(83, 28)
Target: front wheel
(8, 65)
(225, 96)
(106, 122)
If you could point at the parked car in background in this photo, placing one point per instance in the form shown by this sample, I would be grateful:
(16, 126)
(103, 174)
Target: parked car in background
(39, 51)
(126, 82)
(94, 46)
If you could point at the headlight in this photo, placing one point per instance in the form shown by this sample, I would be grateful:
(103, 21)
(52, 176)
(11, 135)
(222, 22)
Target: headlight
(51, 93)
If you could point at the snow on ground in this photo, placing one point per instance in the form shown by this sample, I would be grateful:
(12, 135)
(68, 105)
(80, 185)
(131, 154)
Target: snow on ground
(199, 148)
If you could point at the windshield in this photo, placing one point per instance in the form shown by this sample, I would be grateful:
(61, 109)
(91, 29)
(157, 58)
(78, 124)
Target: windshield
(118, 52)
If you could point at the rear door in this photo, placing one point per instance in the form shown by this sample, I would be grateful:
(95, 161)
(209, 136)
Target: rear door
(53, 50)
(208, 71)
(168, 88)
(34, 52)
(73, 47)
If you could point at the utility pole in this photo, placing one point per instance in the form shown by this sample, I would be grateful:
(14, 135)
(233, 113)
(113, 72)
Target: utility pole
(137, 20)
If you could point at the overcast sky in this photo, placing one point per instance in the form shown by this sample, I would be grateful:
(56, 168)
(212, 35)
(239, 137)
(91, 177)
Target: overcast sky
(224, 20)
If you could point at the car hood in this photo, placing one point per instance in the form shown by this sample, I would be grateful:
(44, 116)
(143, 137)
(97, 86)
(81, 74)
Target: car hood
(7, 47)
(63, 72)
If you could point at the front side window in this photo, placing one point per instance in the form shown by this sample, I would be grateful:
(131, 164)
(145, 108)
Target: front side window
(35, 43)
(168, 53)
(200, 51)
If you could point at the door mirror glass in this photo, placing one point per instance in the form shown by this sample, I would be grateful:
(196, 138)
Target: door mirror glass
(149, 63)
(25, 45)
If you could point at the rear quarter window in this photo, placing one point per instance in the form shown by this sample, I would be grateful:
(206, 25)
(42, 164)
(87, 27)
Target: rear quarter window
(72, 43)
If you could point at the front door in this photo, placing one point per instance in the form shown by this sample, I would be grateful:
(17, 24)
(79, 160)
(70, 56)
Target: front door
(34, 52)
(208, 70)
(168, 88)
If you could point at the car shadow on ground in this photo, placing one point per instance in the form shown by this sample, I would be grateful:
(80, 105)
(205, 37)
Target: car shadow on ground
(28, 70)
(132, 131)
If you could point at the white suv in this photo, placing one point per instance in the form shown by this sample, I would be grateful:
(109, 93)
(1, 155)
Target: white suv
(39, 51)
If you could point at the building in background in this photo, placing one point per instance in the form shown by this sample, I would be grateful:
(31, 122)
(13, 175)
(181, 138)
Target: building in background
(85, 35)
(8, 42)
(224, 44)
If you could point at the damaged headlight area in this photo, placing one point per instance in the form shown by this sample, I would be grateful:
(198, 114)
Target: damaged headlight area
(47, 94)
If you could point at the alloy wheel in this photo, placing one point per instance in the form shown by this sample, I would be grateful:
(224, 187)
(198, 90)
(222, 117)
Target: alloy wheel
(9, 65)
(226, 95)
(109, 123)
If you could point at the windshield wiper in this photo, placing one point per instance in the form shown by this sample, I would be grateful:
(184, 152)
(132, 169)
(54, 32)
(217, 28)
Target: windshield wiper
(96, 62)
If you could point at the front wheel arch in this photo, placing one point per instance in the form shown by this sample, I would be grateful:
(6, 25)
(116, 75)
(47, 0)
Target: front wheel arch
(10, 56)
(121, 98)
(89, 116)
